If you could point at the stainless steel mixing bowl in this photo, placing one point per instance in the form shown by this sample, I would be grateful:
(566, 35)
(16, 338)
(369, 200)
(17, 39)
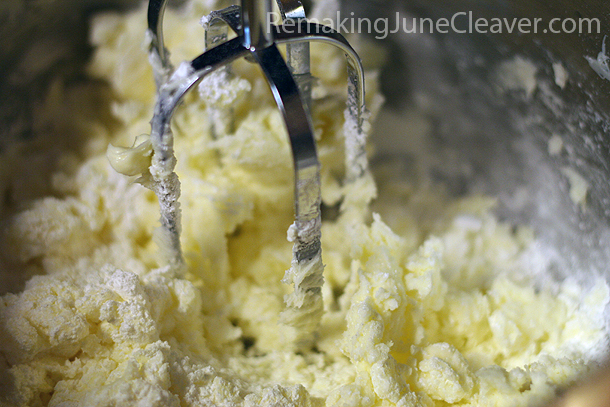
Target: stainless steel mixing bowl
(481, 139)
(497, 142)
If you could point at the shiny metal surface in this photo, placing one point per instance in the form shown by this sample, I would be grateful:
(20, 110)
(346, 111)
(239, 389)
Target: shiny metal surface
(482, 142)
(497, 143)
(255, 27)
(156, 9)
(297, 54)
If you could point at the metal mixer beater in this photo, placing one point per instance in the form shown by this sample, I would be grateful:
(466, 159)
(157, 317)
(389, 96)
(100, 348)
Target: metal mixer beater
(290, 83)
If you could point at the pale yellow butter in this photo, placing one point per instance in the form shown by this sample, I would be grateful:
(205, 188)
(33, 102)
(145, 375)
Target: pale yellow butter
(408, 317)
(131, 161)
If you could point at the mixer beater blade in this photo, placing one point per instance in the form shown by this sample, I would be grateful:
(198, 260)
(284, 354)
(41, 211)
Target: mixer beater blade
(257, 39)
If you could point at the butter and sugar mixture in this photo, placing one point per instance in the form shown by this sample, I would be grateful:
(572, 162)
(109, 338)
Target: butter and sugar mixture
(414, 314)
